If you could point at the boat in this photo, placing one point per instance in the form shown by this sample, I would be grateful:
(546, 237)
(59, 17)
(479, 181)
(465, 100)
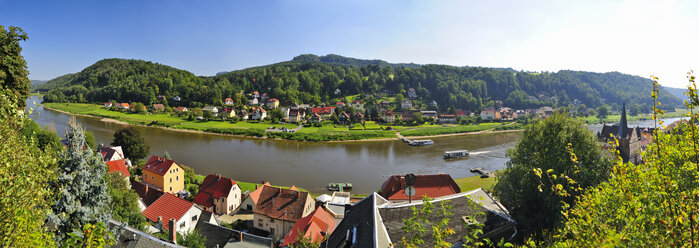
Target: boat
(339, 186)
(421, 142)
(456, 154)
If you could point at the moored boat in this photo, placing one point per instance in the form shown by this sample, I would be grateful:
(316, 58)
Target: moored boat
(339, 186)
(456, 154)
(421, 142)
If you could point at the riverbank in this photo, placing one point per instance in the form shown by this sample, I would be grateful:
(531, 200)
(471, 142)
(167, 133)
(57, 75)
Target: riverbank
(327, 133)
(679, 112)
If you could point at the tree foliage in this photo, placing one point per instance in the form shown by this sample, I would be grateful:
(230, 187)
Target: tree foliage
(652, 204)
(26, 169)
(315, 81)
(13, 67)
(546, 146)
(130, 140)
(83, 192)
(124, 201)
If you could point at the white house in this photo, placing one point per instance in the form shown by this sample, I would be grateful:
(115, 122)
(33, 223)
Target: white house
(218, 194)
(253, 101)
(169, 206)
(406, 104)
(212, 109)
(258, 114)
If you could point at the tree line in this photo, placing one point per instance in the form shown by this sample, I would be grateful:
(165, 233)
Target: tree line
(311, 81)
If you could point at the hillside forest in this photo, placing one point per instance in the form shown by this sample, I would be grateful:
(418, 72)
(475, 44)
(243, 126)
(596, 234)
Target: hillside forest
(317, 80)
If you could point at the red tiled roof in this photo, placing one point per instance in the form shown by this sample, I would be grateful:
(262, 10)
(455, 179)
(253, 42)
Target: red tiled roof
(118, 165)
(214, 186)
(168, 207)
(273, 100)
(125, 105)
(227, 99)
(147, 194)
(314, 226)
(181, 108)
(323, 110)
(255, 194)
(431, 185)
(158, 106)
(158, 165)
(281, 204)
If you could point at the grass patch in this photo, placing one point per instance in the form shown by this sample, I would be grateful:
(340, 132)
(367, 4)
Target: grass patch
(474, 182)
(451, 129)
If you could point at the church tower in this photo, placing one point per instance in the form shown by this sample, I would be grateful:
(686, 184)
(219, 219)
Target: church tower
(622, 123)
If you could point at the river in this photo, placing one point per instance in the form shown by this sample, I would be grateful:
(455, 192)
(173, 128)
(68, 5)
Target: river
(308, 165)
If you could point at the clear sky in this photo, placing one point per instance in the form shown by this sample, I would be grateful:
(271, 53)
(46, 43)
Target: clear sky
(205, 37)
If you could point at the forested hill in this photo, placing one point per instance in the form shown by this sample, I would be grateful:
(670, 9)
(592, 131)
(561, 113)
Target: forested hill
(307, 80)
(341, 60)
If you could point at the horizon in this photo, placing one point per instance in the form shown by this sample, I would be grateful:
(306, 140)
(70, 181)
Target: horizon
(636, 38)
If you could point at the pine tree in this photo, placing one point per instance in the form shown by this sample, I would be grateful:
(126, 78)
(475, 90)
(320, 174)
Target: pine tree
(83, 191)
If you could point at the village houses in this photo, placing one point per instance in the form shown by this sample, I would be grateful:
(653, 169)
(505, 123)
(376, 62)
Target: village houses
(447, 119)
(164, 174)
(229, 101)
(212, 109)
(253, 198)
(357, 104)
(406, 104)
(258, 113)
(313, 227)
(316, 118)
(296, 115)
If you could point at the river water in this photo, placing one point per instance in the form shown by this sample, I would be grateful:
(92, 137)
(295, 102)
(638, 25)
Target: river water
(309, 165)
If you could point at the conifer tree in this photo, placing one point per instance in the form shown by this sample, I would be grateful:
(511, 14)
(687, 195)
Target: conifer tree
(83, 192)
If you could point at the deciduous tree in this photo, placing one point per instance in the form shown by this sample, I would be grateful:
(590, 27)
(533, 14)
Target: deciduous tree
(130, 140)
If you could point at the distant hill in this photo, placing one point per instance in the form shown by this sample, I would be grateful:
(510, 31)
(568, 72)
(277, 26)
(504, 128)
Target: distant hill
(316, 79)
(677, 92)
(341, 60)
(36, 83)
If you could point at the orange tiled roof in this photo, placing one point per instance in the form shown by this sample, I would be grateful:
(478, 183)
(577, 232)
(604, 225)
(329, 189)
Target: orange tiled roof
(282, 204)
(118, 165)
(314, 226)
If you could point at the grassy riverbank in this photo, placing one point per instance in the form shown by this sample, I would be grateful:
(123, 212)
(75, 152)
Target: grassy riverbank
(327, 132)
(474, 182)
(679, 112)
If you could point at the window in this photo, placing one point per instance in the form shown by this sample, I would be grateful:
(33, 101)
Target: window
(194, 218)
(182, 225)
(271, 220)
(177, 178)
(259, 222)
(271, 231)
(171, 179)
(249, 207)
(170, 188)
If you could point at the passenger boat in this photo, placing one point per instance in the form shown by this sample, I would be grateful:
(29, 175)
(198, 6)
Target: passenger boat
(455, 154)
(339, 186)
(421, 142)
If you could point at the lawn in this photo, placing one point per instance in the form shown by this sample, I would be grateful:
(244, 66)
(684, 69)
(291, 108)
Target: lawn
(447, 129)
(679, 112)
(474, 182)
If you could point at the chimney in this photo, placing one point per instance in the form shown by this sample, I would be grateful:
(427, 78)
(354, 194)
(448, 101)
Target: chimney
(173, 231)
(146, 188)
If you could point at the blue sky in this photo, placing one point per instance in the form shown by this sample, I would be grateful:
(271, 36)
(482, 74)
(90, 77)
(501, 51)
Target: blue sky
(205, 37)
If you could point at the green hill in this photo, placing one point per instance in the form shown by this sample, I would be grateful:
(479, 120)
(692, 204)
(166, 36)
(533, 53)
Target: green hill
(315, 79)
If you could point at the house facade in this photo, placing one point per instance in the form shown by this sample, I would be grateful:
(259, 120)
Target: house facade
(357, 104)
(344, 118)
(296, 115)
(258, 114)
(164, 174)
(316, 118)
(212, 109)
(228, 101)
(272, 103)
(252, 198)
(169, 206)
(218, 194)
(278, 210)
(406, 104)
(447, 119)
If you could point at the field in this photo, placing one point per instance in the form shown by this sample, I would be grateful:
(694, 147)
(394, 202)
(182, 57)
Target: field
(327, 132)
(474, 182)
(679, 112)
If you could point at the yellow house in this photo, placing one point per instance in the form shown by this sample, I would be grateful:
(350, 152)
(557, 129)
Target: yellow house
(164, 174)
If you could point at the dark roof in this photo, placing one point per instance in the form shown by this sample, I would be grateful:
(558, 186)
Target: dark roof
(495, 226)
(147, 194)
(282, 204)
(215, 234)
(359, 222)
(133, 238)
(431, 185)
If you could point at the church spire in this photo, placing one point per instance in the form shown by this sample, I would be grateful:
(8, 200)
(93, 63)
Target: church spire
(622, 123)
